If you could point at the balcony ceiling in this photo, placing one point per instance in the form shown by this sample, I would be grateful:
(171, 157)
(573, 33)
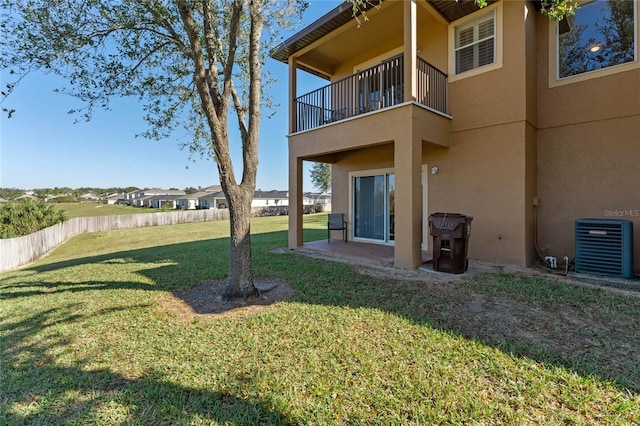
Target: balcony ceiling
(338, 29)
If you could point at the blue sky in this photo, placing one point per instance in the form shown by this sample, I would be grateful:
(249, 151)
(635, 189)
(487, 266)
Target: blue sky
(41, 147)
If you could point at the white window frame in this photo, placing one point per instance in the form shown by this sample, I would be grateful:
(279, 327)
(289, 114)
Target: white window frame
(426, 237)
(496, 10)
(352, 212)
(554, 57)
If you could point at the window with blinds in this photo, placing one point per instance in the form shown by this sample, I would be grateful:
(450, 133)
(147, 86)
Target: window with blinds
(475, 43)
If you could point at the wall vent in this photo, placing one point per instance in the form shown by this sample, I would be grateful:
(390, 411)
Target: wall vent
(604, 247)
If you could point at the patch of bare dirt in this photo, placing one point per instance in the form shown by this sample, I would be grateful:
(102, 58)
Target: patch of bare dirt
(498, 319)
(574, 333)
(204, 302)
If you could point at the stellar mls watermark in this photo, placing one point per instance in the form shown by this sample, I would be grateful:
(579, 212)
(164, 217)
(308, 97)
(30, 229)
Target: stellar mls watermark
(622, 213)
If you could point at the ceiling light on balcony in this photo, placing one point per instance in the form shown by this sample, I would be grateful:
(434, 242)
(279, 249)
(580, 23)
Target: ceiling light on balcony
(594, 48)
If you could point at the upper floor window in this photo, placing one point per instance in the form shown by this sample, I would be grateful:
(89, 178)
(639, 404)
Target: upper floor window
(475, 43)
(601, 34)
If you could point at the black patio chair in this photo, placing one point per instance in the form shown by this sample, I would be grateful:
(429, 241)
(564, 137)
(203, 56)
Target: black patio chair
(336, 222)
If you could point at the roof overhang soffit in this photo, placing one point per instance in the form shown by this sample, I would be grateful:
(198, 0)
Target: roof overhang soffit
(342, 18)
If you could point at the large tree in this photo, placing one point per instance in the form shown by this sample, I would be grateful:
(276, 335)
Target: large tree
(195, 63)
(199, 59)
(321, 176)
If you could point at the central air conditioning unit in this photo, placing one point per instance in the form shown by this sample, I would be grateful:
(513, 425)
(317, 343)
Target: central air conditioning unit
(604, 247)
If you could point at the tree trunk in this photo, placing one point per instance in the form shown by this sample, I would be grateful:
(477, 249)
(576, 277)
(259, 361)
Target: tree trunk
(240, 280)
(215, 106)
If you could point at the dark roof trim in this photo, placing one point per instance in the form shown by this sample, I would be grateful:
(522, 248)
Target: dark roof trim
(318, 29)
(450, 10)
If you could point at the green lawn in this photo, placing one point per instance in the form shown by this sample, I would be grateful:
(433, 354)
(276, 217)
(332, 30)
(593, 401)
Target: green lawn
(86, 338)
(99, 209)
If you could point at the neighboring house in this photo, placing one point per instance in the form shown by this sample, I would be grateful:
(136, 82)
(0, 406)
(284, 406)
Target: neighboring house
(115, 197)
(164, 201)
(270, 198)
(497, 113)
(212, 188)
(189, 201)
(312, 198)
(201, 200)
(133, 196)
(212, 200)
(145, 197)
(142, 201)
(90, 196)
(205, 198)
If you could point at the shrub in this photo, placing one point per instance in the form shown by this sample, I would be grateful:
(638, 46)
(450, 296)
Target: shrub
(18, 218)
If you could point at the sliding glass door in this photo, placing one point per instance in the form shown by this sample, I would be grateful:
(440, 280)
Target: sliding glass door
(374, 207)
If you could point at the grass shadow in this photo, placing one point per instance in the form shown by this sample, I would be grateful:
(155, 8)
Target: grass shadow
(591, 331)
(539, 319)
(38, 390)
(488, 310)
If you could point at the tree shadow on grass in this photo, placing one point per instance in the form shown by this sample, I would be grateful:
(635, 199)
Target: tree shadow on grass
(39, 390)
(526, 316)
(144, 400)
(216, 248)
(548, 332)
(168, 267)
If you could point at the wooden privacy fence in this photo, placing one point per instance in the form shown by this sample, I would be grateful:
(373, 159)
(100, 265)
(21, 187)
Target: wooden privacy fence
(15, 252)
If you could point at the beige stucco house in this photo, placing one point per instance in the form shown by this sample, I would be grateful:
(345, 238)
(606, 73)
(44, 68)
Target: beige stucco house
(497, 113)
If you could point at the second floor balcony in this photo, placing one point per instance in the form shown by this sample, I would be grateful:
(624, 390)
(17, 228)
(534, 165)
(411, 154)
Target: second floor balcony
(375, 88)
